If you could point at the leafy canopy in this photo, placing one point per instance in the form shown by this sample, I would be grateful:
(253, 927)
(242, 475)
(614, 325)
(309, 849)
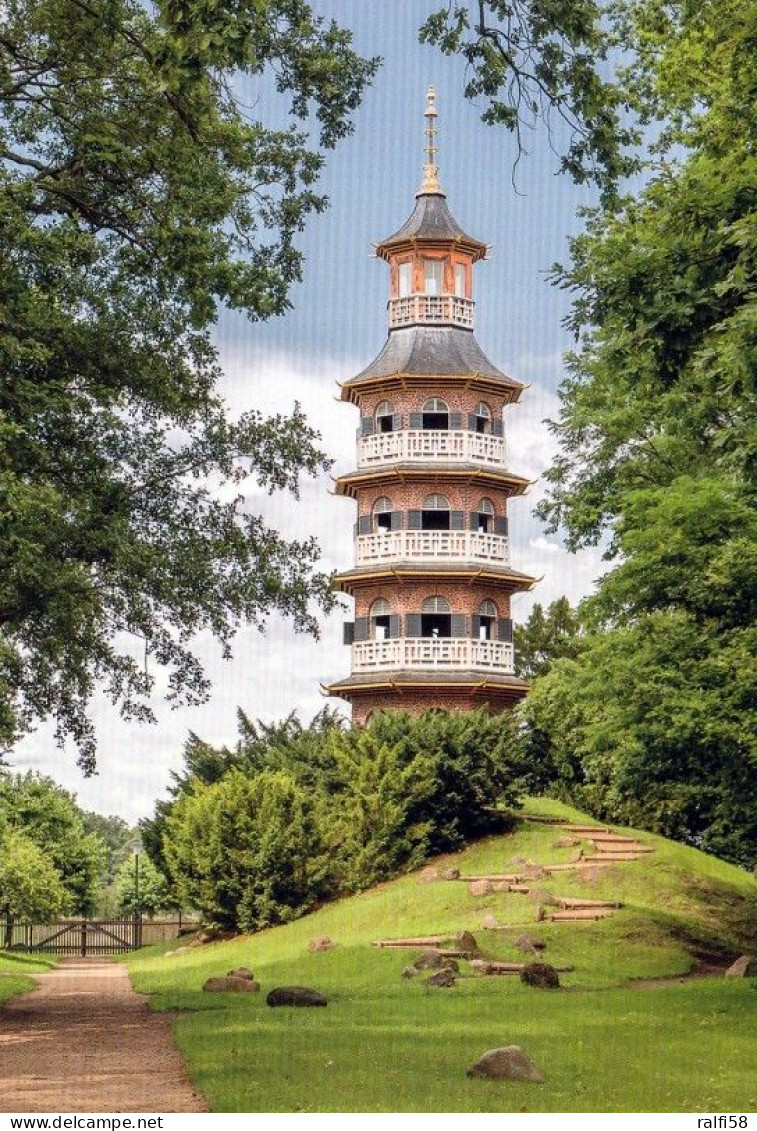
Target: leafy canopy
(138, 193)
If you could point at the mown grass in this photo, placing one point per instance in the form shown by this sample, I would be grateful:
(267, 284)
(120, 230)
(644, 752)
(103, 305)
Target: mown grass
(15, 970)
(389, 1044)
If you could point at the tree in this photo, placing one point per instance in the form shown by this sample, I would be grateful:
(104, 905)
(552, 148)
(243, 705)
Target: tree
(31, 888)
(140, 888)
(137, 194)
(117, 837)
(546, 637)
(45, 815)
(545, 62)
(654, 720)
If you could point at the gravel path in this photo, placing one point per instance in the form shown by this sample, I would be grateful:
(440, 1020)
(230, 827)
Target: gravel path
(84, 1041)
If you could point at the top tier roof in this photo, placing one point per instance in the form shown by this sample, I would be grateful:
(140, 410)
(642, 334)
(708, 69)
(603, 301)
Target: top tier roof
(432, 221)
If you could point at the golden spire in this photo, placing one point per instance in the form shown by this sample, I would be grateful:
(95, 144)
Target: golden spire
(430, 171)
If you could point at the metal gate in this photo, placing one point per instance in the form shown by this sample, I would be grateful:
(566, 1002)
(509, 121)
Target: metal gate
(79, 937)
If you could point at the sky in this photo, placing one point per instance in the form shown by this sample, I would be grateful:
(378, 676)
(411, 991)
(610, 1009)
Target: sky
(337, 324)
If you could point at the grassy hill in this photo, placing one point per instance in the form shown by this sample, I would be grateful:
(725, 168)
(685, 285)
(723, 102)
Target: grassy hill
(606, 1041)
(15, 970)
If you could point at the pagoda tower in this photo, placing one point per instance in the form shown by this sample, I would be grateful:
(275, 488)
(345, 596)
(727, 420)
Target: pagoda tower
(432, 579)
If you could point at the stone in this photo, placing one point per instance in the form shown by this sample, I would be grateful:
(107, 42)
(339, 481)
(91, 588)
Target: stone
(501, 885)
(410, 972)
(451, 874)
(541, 975)
(295, 995)
(518, 860)
(320, 942)
(480, 887)
(539, 895)
(450, 964)
(428, 875)
(528, 944)
(489, 923)
(232, 985)
(443, 977)
(466, 943)
(429, 960)
(744, 967)
(507, 1063)
(241, 972)
(535, 872)
(566, 842)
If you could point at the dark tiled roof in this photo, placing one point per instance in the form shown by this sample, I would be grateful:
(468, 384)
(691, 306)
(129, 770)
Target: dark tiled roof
(431, 219)
(405, 678)
(432, 349)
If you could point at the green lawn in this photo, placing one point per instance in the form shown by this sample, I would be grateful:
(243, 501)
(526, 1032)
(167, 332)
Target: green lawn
(386, 1044)
(15, 970)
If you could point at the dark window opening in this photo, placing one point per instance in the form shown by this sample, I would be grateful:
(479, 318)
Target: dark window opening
(436, 421)
(384, 521)
(436, 625)
(434, 520)
(381, 627)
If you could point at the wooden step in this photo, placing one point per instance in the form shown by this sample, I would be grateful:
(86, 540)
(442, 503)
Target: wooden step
(613, 838)
(613, 858)
(420, 941)
(578, 914)
(568, 903)
(586, 862)
(622, 849)
(497, 878)
(585, 828)
(539, 820)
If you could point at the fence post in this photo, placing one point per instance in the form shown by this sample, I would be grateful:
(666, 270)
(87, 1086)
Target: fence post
(84, 938)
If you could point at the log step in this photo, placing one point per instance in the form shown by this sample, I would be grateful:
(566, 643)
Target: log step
(577, 914)
(577, 904)
(622, 849)
(585, 828)
(587, 862)
(423, 940)
(613, 838)
(498, 878)
(613, 858)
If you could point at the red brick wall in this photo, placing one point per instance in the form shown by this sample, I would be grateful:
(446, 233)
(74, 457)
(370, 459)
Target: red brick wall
(457, 397)
(410, 496)
(407, 596)
(417, 700)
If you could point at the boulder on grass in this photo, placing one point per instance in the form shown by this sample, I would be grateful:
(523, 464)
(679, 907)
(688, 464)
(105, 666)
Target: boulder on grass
(320, 942)
(295, 995)
(429, 960)
(534, 872)
(241, 972)
(528, 944)
(232, 985)
(541, 975)
(480, 887)
(744, 967)
(428, 875)
(539, 895)
(507, 1063)
(451, 874)
(410, 972)
(444, 977)
(489, 923)
(466, 943)
(501, 885)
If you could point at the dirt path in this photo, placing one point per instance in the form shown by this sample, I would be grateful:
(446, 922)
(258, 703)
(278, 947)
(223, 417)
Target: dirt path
(84, 1041)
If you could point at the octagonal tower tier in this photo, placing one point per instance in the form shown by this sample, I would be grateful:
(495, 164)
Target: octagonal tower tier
(432, 578)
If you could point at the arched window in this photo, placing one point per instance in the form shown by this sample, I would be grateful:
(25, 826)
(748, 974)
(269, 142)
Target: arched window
(483, 417)
(436, 415)
(435, 514)
(436, 619)
(487, 619)
(385, 417)
(484, 516)
(382, 514)
(379, 619)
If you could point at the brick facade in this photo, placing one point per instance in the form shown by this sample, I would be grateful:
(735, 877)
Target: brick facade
(407, 596)
(417, 700)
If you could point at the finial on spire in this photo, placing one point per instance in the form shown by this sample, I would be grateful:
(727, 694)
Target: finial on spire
(430, 171)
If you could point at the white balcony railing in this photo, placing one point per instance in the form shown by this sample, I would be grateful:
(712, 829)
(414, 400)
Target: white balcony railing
(428, 446)
(449, 653)
(431, 309)
(431, 546)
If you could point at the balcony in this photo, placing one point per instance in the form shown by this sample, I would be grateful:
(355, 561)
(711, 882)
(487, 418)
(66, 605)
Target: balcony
(431, 546)
(430, 446)
(447, 654)
(431, 310)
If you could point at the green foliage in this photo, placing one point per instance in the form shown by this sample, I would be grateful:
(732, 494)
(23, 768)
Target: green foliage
(118, 837)
(546, 637)
(31, 888)
(653, 721)
(245, 851)
(140, 889)
(113, 442)
(45, 815)
(534, 61)
(301, 814)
